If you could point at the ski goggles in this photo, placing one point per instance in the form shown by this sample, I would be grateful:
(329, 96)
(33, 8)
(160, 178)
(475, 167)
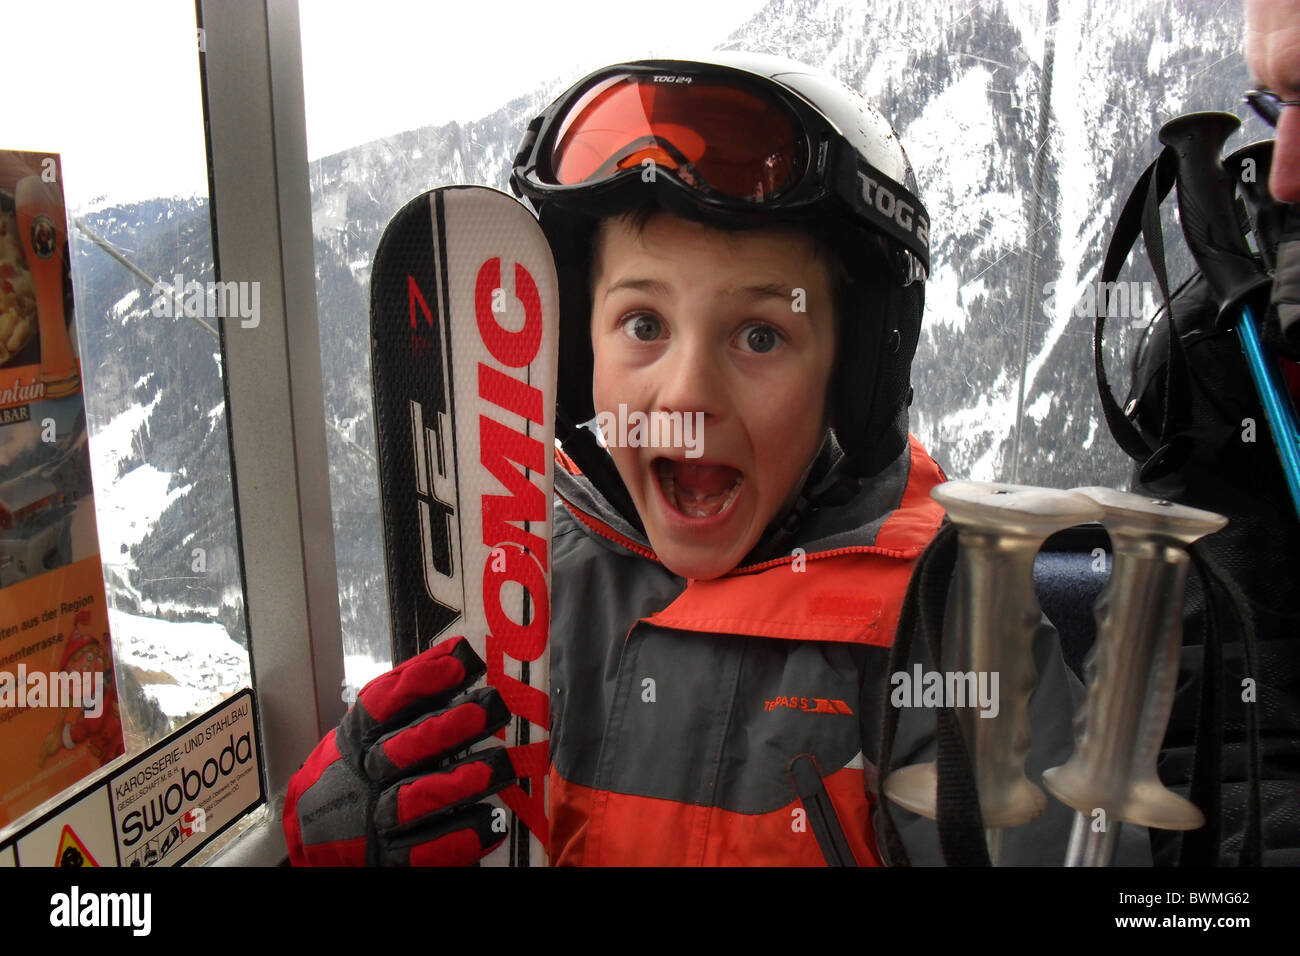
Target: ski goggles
(743, 147)
(1268, 105)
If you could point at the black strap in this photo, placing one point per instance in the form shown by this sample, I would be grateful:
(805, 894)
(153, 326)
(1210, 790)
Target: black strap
(1176, 446)
(1201, 847)
(960, 823)
(820, 810)
(1211, 779)
(1141, 216)
(888, 836)
(1127, 228)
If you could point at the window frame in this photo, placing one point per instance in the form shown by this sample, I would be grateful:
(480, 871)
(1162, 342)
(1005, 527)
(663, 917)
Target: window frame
(255, 124)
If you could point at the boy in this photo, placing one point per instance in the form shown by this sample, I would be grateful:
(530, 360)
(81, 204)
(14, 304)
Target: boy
(741, 254)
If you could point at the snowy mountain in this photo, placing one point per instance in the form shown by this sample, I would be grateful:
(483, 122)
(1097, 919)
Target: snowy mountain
(964, 83)
(160, 460)
(981, 93)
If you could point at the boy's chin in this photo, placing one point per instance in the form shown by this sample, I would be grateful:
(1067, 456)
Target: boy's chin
(687, 563)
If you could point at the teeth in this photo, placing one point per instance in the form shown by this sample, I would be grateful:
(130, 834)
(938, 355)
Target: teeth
(693, 504)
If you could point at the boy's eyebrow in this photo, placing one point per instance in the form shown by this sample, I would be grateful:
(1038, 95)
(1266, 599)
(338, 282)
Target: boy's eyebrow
(764, 290)
(653, 286)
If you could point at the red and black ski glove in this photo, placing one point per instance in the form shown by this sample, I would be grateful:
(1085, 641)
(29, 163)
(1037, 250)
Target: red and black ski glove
(377, 791)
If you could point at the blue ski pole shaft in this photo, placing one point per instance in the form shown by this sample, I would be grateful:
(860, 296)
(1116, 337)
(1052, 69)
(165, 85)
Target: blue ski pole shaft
(1278, 409)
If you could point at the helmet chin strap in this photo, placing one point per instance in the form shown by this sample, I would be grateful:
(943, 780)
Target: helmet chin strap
(825, 475)
(597, 466)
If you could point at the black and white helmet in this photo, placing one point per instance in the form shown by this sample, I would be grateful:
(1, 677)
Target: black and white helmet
(741, 139)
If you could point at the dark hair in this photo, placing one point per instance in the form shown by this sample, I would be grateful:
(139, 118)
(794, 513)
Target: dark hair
(639, 215)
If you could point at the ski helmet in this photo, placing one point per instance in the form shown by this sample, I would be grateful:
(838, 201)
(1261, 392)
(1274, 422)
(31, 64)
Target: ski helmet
(740, 140)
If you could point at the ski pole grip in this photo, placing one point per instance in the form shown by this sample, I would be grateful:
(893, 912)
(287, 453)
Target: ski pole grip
(996, 618)
(1207, 205)
(1251, 165)
(1132, 669)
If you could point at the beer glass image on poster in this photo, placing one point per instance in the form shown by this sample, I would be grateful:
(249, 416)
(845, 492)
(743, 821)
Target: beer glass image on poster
(58, 706)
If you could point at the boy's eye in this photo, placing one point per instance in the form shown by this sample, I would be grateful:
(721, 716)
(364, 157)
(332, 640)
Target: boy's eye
(642, 327)
(759, 338)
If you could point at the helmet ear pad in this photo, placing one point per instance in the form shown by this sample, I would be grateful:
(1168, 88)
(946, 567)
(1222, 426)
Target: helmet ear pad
(570, 240)
(879, 327)
(570, 243)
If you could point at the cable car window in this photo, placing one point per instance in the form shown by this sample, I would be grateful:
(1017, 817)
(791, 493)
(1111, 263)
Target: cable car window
(128, 133)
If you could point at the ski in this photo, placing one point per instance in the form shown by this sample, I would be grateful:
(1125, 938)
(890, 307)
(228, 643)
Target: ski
(464, 327)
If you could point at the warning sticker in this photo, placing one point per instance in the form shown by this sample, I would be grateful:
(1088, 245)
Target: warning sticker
(191, 785)
(72, 852)
(80, 833)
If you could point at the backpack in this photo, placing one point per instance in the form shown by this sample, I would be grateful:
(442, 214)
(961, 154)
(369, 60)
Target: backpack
(1195, 425)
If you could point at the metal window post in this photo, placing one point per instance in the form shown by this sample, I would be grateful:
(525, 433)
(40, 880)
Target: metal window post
(261, 215)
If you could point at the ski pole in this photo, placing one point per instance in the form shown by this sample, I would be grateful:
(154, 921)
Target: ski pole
(1132, 672)
(1278, 408)
(1000, 530)
(1208, 213)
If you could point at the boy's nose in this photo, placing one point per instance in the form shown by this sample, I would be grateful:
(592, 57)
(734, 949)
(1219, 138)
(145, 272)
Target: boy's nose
(692, 379)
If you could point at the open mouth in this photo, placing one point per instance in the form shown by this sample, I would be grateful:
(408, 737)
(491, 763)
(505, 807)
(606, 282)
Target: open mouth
(698, 490)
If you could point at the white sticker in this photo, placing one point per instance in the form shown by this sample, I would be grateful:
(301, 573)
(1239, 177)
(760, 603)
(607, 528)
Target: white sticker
(172, 800)
(79, 834)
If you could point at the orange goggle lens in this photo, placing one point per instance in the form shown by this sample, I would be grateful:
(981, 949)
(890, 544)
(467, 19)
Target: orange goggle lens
(713, 135)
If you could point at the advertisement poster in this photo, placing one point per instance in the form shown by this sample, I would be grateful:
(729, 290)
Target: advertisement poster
(58, 707)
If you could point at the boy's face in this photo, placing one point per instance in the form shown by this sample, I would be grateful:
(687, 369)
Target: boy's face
(710, 325)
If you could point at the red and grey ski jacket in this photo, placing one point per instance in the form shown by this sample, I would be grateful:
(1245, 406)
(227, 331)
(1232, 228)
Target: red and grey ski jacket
(735, 721)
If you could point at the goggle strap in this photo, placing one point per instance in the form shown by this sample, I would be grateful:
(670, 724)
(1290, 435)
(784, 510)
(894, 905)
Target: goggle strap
(888, 205)
(525, 153)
